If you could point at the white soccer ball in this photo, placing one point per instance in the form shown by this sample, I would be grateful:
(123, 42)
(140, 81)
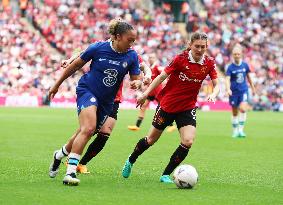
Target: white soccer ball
(185, 176)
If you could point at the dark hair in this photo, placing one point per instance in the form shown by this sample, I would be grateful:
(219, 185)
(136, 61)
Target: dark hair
(198, 36)
(118, 26)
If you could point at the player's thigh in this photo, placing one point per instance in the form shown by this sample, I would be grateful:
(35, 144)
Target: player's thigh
(186, 123)
(110, 122)
(243, 102)
(87, 118)
(188, 117)
(115, 110)
(162, 119)
(87, 105)
(234, 101)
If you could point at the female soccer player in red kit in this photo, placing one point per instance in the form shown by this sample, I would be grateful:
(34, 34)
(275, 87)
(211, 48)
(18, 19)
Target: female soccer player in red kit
(177, 102)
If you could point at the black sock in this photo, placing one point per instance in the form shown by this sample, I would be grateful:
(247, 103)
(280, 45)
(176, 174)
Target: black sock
(141, 146)
(139, 121)
(177, 157)
(95, 147)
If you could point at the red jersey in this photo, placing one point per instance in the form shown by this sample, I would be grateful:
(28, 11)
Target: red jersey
(155, 71)
(119, 94)
(186, 77)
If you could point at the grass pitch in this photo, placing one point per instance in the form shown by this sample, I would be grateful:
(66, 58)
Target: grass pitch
(231, 171)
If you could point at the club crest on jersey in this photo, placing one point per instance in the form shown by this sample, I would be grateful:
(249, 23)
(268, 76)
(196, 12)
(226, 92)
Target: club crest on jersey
(92, 99)
(125, 64)
(203, 69)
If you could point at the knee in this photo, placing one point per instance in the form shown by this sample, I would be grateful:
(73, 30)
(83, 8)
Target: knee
(150, 140)
(107, 129)
(88, 130)
(188, 142)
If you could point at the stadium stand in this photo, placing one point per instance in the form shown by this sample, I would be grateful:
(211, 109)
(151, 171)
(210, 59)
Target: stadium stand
(70, 25)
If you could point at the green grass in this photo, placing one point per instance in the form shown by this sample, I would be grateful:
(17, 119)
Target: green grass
(231, 171)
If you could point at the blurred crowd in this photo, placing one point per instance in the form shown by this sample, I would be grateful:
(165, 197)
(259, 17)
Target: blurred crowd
(29, 65)
(69, 25)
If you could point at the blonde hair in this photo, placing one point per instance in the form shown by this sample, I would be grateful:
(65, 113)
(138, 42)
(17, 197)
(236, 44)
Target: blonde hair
(238, 48)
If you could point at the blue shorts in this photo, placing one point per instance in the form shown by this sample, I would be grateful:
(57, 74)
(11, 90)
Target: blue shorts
(236, 100)
(85, 98)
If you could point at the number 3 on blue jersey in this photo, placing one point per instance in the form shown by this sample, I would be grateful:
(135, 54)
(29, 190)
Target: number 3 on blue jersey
(111, 77)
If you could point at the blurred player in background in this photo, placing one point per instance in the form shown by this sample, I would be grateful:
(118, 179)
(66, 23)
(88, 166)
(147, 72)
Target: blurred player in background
(237, 89)
(96, 90)
(156, 70)
(177, 102)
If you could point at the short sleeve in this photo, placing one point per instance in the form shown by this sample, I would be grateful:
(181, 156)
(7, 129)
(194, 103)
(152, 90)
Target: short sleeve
(90, 52)
(213, 72)
(173, 65)
(228, 71)
(134, 68)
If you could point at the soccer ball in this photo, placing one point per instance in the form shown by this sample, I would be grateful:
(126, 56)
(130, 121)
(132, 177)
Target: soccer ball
(185, 176)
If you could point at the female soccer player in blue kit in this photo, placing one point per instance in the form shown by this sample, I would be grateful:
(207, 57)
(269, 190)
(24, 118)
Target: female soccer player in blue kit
(96, 90)
(237, 75)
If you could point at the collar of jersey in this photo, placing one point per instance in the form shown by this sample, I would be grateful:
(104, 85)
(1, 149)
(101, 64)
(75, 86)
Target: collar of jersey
(237, 64)
(192, 60)
(111, 45)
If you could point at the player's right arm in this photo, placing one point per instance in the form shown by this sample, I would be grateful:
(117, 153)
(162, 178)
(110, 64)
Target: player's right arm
(70, 70)
(156, 82)
(77, 64)
(228, 82)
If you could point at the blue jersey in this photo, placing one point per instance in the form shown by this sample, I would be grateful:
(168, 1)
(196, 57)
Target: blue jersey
(107, 70)
(238, 77)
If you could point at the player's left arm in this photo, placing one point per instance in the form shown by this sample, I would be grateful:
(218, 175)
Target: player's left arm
(251, 83)
(215, 91)
(215, 82)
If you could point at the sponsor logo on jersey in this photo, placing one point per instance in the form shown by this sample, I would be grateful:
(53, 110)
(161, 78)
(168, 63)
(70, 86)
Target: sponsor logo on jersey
(111, 77)
(101, 59)
(183, 77)
(114, 62)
